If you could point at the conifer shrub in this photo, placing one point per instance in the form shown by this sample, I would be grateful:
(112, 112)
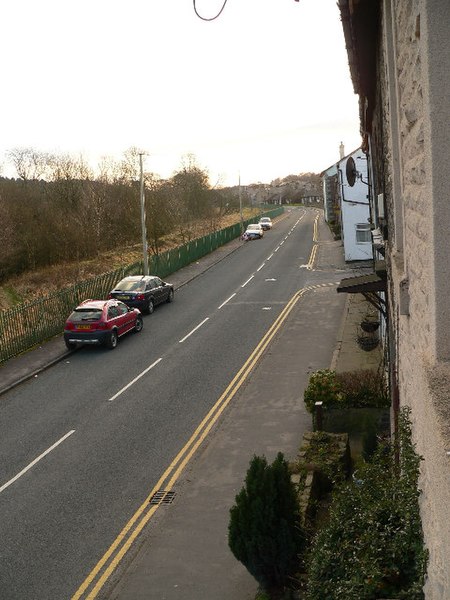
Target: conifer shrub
(264, 531)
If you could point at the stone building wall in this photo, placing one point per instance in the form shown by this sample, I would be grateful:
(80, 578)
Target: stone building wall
(424, 379)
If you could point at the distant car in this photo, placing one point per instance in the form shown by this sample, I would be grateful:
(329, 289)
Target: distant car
(254, 231)
(266, 223)
(143, 292)
(101, 322)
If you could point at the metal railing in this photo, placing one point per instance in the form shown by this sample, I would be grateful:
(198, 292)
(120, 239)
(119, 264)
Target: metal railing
(31, 323)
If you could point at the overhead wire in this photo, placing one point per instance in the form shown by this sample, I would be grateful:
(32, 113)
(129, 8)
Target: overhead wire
(211, 18)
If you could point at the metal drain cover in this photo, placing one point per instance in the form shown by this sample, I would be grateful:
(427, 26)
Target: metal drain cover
(162, 497)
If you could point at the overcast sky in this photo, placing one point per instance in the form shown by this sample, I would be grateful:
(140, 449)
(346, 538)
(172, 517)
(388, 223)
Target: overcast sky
(263, 91)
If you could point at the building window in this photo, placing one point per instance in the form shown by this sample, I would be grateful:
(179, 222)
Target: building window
(363, 233)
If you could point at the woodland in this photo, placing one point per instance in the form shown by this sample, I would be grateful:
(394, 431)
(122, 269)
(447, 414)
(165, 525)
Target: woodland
(62, 222)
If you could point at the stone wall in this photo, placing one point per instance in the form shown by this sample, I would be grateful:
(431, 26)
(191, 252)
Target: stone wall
(424, 378)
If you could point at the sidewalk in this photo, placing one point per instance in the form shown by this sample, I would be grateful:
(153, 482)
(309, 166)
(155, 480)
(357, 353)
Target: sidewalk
(348, 355)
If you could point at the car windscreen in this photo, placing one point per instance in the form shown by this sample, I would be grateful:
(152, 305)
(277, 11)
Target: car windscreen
(131, 285)
(85, 314)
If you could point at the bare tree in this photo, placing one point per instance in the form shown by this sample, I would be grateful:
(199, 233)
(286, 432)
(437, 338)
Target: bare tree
(29, 163)
(109, 170)
(62, 167)
(191, 184)
(130, 165)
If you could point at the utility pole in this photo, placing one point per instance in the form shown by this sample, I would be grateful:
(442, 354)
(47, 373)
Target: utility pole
(143, 227)
(240, 204)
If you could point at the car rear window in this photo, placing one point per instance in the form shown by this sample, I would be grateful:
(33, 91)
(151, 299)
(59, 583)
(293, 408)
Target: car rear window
(85, 314)
(131, 286)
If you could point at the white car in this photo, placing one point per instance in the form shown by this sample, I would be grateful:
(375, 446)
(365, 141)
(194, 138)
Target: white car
(254, 231)
(266, 223)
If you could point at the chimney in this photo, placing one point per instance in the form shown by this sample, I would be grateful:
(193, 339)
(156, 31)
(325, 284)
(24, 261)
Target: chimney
(341, 151)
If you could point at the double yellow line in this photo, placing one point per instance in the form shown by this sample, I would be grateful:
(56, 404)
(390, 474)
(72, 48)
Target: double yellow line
(100, 574)
(315, 229)
(312, 257)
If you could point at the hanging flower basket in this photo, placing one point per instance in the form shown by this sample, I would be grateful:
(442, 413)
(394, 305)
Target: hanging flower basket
(369, 325)
(367, 342)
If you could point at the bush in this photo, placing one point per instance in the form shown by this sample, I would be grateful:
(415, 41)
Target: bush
(364, 387)
(264, 531)
(372, 546)
(351, 389)
(329, 455)
(323, 387)
(369, 442)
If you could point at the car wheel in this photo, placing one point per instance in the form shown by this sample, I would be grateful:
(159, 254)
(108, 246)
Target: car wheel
(70, 345)
(149, 307)
(139, 324)
(170, 296)
(111, 342)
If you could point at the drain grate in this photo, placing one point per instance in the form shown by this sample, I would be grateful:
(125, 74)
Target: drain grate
(162, 497)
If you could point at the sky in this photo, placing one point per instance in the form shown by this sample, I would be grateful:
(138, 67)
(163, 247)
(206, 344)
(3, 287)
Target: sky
(261, 92)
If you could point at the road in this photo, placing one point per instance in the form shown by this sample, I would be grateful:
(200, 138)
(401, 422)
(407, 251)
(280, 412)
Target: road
(82, 445)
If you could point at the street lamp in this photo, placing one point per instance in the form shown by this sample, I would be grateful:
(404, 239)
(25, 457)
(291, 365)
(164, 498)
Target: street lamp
(143, 227)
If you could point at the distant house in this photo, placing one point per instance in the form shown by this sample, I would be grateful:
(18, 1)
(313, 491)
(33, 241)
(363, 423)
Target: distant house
(355, 211)
(346, 204)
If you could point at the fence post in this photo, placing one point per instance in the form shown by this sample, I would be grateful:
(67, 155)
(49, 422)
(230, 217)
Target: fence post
(319, 415)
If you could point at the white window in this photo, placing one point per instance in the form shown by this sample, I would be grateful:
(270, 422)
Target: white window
(363, 233)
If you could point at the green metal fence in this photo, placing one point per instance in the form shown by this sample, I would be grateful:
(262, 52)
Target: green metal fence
(31, 323)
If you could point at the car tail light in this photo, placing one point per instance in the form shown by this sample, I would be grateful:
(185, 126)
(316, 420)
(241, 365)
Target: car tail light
(69, 326)
(140, 297)
(100, 325)
(110, 296)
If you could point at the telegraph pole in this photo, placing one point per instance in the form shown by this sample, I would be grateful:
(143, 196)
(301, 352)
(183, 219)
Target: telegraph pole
(143, 227)
(240, 203)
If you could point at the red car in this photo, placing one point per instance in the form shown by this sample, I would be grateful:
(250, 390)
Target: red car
(101, 322)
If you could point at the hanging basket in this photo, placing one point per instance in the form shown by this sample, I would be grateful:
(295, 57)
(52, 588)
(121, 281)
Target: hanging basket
(369, 326)
(367, 343)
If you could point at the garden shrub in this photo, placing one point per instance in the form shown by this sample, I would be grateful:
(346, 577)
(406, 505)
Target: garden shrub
(369, 442)
(328, 453)
(372, 546)
(323, 386)
(264, 531)
(364, 387)
(351, 389)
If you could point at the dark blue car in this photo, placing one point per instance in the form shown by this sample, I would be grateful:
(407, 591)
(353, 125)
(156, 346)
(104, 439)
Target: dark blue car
(143, 292)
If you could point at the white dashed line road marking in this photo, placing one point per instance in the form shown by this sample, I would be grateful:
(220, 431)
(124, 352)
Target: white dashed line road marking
(134, 380)
(195, 329)
(35, 461)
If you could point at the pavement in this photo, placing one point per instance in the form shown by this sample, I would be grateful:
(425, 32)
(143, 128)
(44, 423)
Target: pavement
(183, 552)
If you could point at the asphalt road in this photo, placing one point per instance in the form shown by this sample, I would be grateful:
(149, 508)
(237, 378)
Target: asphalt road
(82, 445)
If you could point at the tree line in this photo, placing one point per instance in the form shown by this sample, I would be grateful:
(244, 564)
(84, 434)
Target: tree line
(57, 210)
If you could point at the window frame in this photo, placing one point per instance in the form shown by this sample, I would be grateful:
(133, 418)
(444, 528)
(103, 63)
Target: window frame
(363, 229)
